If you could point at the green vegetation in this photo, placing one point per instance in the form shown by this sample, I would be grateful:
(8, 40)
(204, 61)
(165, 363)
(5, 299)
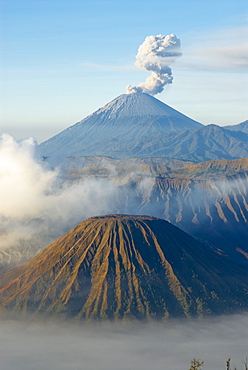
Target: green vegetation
(196, 364)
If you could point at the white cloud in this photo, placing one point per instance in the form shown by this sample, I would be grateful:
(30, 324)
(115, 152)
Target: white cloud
(23, 181)
(133, 346)
(37, 206)
(34, 203)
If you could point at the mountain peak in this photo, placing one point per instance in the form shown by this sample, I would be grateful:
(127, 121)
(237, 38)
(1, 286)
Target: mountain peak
(137, 104)
(126, 119)
(121, 266)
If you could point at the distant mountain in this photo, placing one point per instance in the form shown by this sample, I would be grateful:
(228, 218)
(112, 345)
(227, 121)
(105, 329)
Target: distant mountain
(203, 144)
(118, 267)
(239, 127)
(126, 119)
(138, 125)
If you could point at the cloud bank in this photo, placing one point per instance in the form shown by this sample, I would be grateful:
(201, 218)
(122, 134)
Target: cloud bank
(24, 183)
(155, 55)
(36, 205)
(133, 346)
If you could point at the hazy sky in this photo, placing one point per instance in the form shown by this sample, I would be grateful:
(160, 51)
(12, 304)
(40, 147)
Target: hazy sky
(62, 60)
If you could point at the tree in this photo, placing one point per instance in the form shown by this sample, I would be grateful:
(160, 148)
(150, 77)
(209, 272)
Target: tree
(245, 362)
(228, 364)
(196, 364)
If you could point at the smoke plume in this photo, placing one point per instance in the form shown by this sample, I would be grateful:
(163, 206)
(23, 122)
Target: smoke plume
(155, 55)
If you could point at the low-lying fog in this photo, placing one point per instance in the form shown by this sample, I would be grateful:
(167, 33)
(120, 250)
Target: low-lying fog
(27, 345)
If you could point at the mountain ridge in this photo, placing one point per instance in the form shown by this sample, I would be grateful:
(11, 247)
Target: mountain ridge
(203, 144)
(243, 127)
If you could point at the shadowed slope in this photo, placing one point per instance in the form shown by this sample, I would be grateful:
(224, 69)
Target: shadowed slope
(243, 126)
(202, 144)
(119, 266)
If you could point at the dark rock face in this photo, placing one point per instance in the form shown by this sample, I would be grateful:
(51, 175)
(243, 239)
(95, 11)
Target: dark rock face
(120, 266)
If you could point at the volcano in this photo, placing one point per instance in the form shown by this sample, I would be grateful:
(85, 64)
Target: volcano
(124, 120)
(120, 266)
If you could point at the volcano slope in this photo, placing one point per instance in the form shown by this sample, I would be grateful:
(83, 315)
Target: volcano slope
(139, 125)
(111, 129)
(120, 266)
(208, 200)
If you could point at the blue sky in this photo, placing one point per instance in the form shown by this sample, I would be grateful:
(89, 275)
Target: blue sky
(62, 60)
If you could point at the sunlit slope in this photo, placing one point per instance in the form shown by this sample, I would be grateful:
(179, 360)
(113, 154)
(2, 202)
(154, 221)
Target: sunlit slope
(215, 168)
(81, 167)
(118, 266)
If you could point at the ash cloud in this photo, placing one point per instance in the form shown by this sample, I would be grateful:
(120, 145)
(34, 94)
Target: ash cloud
(155, 55)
